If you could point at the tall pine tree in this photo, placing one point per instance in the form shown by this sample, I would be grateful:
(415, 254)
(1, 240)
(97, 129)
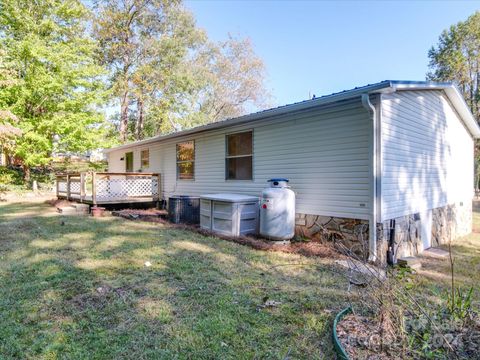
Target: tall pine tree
(456, 58)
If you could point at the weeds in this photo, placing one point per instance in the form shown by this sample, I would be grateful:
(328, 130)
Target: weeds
(409, 325)
(459, 302)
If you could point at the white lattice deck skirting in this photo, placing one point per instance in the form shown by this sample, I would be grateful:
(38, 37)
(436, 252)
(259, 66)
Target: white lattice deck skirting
(126, 188)
(109, 187)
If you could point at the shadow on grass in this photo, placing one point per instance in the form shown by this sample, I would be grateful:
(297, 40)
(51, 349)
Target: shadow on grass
(15, 210)
(435, 278)
(77, 287)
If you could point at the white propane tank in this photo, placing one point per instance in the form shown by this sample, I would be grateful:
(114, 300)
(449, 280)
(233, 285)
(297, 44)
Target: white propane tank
(277, 211)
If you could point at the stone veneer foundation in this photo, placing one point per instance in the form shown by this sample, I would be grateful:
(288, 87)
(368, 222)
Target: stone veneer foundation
(448, 222)
(353, 233)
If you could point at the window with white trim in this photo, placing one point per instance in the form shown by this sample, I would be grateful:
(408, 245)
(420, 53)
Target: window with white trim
(239, 156)
(186, 160)
(145, 158)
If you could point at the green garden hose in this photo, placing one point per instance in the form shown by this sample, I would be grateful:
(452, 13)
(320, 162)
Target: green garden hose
(342, 354)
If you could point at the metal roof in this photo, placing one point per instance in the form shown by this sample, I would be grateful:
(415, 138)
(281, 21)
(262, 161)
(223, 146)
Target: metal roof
(450, 89)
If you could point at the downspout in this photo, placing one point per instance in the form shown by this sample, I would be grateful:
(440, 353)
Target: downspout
(373, 153)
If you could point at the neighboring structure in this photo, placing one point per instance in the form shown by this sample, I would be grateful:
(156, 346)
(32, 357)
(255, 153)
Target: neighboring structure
(8, 133)
(96, 155)
(357, 160)
(3, 157)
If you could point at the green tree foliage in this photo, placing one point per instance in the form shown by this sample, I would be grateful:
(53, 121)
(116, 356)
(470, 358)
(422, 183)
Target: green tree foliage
(226, 79)
(234, 81)
(53, 84)
(146, 44)
(456, 58)
(8, 132)
(57, 59)
(166, 75)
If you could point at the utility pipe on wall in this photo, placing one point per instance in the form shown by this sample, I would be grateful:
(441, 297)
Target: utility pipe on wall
(373, 179)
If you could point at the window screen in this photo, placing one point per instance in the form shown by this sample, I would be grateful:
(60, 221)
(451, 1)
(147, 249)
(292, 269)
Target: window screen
(145, 158)
(186, 160)
(239, 156)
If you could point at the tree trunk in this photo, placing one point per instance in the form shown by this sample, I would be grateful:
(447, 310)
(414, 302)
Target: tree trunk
(124, 116)
(140, 120)
(26, 173)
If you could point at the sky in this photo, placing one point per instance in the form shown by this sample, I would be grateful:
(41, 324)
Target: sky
(320, 47)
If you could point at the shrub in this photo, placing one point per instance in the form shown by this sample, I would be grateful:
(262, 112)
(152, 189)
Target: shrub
(9, 176)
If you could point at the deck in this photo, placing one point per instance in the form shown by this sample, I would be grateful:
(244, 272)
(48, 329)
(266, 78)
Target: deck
(103, 188)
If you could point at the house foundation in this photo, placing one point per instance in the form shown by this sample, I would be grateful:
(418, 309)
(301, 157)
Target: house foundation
(352, 233)
(448, 223)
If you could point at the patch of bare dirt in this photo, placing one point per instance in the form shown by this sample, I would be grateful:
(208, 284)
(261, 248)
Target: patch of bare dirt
(59, 202)
(303, 248)
(104, 294)
(152, 211)
(149, 215)
(363, 339)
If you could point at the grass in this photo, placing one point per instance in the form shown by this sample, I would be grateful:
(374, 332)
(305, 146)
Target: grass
(77, 288)
(434, 280)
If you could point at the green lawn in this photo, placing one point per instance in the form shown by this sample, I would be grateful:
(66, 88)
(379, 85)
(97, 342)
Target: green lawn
(78, 288)
(434, 277)
(81, 290)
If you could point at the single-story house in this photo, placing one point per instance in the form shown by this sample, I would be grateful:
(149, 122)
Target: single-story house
(395, 155)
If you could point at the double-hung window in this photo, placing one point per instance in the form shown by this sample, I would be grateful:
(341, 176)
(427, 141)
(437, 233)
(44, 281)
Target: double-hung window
(186, 160)
(145, 158)
(239, 156)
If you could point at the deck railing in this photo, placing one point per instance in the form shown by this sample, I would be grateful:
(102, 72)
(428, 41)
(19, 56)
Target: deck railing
(105, 187)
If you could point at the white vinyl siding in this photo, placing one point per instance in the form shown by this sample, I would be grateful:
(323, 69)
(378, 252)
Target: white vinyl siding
(323, 151)
(427, 154)
(117, 165)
